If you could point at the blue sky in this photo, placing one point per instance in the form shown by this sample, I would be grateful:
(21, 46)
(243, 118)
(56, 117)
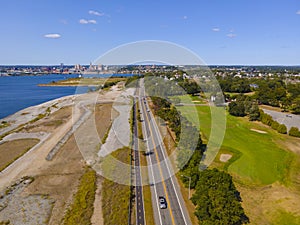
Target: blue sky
(255, 32)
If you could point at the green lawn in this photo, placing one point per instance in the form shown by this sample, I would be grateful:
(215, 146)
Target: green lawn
(189, 99)
(256, 157)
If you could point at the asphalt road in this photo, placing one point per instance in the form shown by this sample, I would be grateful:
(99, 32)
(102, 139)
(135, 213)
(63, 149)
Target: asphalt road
(139, 198)
(161, 176)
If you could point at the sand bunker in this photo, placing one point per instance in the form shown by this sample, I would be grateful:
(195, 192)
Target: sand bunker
(259, 131)
(225, 157)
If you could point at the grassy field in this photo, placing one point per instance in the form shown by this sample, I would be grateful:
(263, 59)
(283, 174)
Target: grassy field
(265, 169)
(189, 99)
(259, 158)
(12, 150)
(81, 210)
(115, 196)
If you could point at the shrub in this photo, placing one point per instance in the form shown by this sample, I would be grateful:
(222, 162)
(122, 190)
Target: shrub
(275, 125)
(282, 129)
(294, 131)
(267, 119)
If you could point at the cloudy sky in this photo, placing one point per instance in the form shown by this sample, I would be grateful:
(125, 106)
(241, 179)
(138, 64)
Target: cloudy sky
(255, 32)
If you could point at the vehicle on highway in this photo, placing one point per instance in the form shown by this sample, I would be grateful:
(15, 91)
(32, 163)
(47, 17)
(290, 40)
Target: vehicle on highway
(162, 202)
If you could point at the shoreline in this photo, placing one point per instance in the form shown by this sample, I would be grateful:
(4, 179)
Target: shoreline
(26, 115)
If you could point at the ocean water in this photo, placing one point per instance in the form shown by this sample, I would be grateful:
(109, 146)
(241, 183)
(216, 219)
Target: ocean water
(19, 92)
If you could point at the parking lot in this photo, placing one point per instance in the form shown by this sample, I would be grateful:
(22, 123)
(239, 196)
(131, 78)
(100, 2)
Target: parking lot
(290, 120)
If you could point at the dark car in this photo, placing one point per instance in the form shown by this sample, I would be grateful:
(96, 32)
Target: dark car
(162, 202)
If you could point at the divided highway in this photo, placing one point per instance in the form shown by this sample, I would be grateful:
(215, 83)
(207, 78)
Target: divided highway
(139, 199)
(161, 176)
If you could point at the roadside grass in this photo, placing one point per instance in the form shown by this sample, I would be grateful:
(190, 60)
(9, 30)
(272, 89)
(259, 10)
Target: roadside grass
(10, 151)
(115, 196)
(81, 210)
(188, 203)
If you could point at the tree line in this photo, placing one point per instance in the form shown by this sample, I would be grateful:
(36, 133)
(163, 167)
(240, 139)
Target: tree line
(275, 91)
(246, 106)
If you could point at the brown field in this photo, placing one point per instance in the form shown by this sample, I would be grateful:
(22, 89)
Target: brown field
(59, 178)
(103, 117)
(50, 123)
(11, 150)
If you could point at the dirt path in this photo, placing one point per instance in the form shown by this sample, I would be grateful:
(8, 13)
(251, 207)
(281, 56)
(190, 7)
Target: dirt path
(97, 218)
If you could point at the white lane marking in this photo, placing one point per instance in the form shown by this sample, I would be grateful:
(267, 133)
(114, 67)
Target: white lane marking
(151, 169)
(167, 163)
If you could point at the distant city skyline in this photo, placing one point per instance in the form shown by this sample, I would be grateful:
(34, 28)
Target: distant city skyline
(220, 32)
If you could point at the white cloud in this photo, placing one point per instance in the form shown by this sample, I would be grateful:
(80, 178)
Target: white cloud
(92, 21)
(231, 35)
(95, 13)
(84, 21)
(53, 36)
(216, 29)
(298, 12)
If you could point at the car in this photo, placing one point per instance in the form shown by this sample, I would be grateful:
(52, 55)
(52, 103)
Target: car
(289, 116)
(162, 202)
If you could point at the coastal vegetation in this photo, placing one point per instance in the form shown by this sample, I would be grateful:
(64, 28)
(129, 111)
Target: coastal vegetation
(4, 124)
(82, 81)
(116, 197)
(81, 210)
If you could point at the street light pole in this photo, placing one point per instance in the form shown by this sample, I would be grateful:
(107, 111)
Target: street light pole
(189, 184)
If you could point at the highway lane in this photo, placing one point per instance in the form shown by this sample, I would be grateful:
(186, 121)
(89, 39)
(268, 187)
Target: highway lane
(161, 174)
(139, 198)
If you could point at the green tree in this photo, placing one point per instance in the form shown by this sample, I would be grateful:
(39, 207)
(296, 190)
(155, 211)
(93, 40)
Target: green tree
(296, 105)
(237, 109)
(217, 200)
(282, 129)
(294, 131)
(254, 112)
(275, 125)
